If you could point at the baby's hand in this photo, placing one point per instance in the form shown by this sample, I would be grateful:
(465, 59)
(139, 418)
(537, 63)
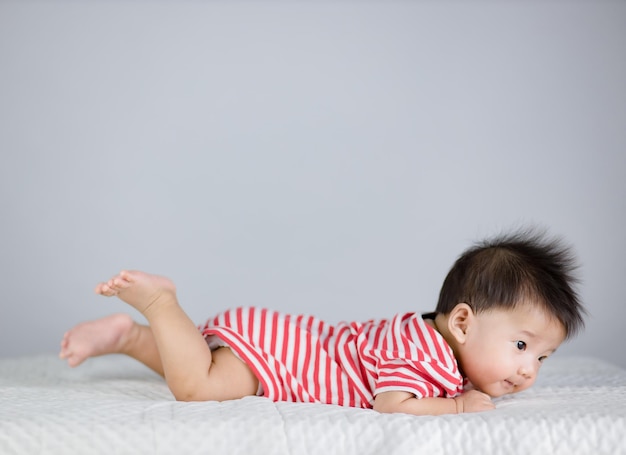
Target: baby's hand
(473, 401)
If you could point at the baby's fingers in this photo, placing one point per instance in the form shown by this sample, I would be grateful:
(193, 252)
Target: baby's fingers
(475, 401)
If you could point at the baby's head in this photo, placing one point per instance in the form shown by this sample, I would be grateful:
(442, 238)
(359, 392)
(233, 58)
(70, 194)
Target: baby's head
(506, 305)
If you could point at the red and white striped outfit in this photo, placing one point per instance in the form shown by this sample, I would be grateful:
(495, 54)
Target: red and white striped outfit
(301, 358)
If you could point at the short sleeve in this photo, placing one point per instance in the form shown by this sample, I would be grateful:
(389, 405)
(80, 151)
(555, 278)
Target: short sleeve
(415, 358)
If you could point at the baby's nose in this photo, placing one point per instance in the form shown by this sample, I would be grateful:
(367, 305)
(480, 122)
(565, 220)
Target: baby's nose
(527, 371)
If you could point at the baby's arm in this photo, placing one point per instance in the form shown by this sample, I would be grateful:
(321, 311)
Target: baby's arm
(405, 402)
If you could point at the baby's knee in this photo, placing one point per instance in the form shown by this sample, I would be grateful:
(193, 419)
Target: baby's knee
(188, 393)
(190, 396)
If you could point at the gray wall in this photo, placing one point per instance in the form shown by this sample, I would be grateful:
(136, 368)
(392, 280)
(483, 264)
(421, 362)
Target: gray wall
(322, 157)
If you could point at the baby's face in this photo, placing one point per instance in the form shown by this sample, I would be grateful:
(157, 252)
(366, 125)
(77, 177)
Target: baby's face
(504, 349)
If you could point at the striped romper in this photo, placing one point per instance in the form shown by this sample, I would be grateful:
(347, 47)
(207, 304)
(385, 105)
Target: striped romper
(304, 359)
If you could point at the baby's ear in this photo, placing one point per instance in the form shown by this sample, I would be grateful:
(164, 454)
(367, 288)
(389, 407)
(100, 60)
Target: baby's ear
(459, 321)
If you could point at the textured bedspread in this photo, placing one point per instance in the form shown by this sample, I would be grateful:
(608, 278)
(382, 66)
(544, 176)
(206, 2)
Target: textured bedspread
(114, 405)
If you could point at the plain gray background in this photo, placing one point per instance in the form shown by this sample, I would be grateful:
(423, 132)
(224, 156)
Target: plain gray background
(331, 158)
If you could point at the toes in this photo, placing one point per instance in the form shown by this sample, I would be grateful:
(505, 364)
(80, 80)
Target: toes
(111, 285)
(102, 289)
(64, 346)
(120, 283)
(64, 353)
(73, 361)
(128, 276)
(72, 357)
(114, 285)
(106, 289)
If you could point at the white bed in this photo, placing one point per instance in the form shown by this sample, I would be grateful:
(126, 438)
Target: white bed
(115, 405)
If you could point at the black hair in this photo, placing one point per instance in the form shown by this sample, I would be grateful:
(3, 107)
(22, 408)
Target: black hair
(509, 269)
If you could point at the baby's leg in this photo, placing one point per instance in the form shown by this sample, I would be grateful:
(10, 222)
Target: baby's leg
(115, 334)
(192, 372)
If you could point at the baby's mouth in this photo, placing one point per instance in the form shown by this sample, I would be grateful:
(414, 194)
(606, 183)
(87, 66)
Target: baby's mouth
(510, 384)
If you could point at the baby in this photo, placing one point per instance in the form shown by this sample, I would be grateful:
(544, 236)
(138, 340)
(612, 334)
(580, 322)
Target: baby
(505, 306)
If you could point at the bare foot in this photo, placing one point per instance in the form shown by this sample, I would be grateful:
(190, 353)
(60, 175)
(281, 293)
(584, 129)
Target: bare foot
(108, 335)
(138, 289)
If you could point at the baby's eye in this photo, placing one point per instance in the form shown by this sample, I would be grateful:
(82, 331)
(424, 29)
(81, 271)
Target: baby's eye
(521, 345)
(542, 358)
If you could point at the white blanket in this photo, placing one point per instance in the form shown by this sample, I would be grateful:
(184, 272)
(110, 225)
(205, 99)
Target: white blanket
(114, 405)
